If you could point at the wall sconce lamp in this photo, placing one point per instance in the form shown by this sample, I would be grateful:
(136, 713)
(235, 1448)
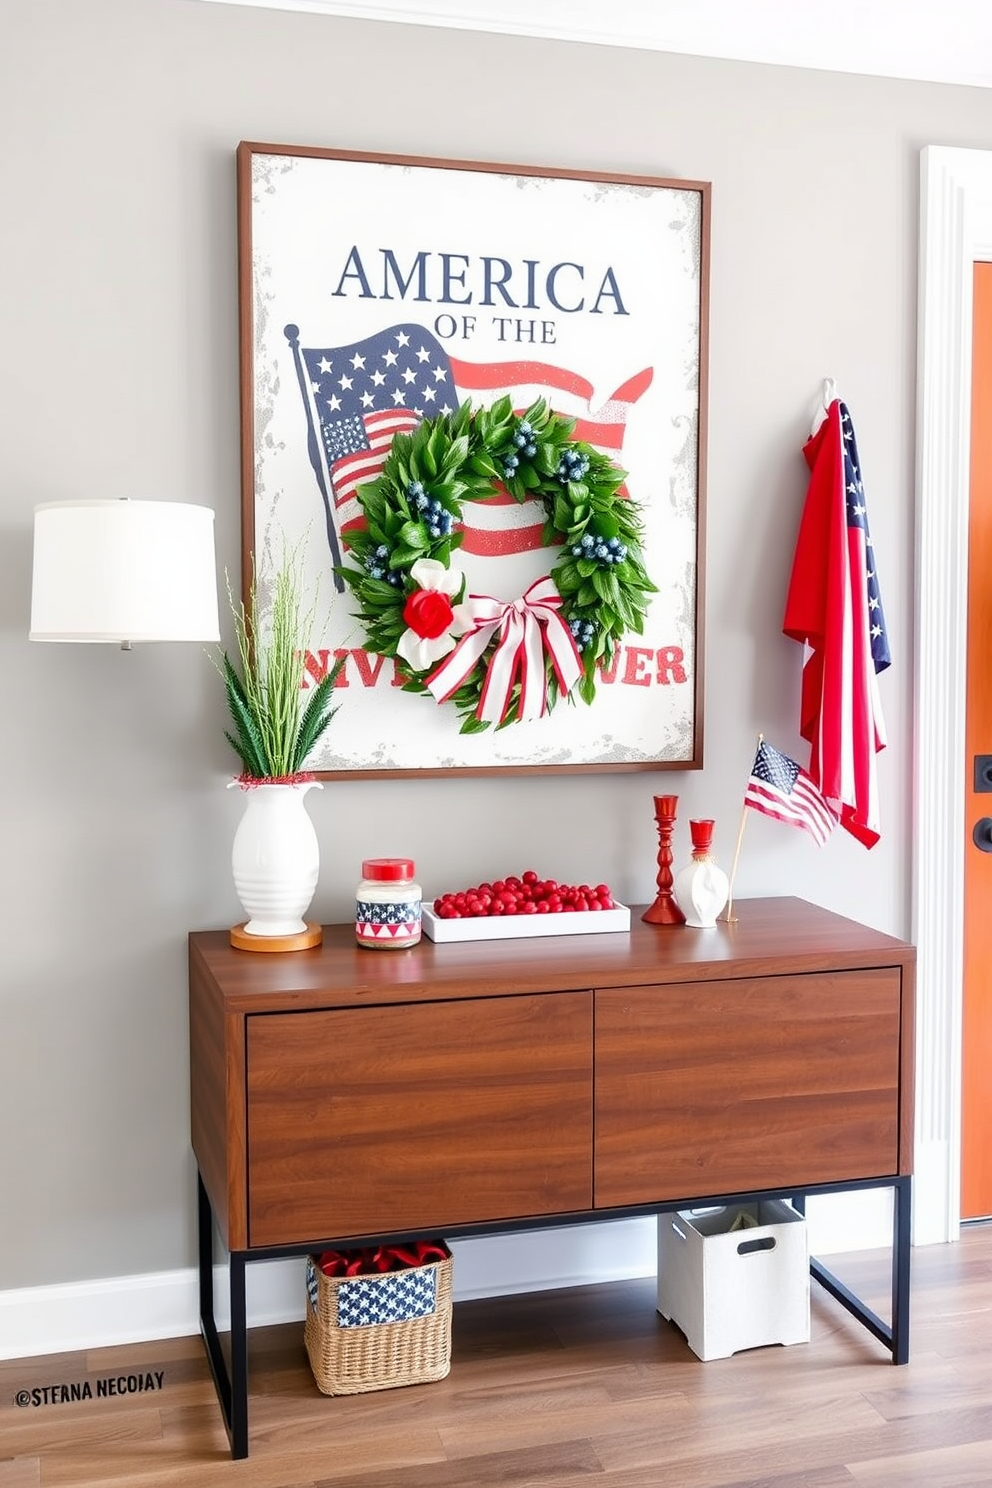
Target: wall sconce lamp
(123, 571)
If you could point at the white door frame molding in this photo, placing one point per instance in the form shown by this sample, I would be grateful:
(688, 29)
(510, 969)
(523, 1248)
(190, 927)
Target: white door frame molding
(955, 230)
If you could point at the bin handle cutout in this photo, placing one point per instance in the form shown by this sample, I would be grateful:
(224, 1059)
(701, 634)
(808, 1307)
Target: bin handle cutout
(676, 1231)
(765, 1242)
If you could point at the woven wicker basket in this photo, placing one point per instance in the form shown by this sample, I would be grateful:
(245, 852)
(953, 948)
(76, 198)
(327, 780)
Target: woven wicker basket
(380, 1330)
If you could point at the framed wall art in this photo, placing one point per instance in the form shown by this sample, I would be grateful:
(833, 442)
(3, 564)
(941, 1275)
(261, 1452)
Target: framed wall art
(474, 403)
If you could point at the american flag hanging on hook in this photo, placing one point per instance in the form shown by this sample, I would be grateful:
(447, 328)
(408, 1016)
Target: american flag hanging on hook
(834, 607)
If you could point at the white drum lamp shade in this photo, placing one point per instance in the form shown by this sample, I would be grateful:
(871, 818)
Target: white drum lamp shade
(123, 571)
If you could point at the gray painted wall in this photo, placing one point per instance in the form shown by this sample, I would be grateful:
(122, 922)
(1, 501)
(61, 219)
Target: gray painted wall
(119, 375)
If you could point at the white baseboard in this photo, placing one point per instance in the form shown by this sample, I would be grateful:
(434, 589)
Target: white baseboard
(164, 1304)
(937, 1202)
(858, 1220)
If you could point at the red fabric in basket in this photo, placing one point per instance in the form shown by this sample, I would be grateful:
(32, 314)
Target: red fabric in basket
(381, 1258)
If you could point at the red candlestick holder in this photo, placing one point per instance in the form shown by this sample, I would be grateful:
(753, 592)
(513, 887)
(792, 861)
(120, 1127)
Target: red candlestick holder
(664, 910)
(701, 834)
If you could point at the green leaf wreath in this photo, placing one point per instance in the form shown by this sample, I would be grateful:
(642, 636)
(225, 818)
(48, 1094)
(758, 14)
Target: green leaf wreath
(401, 573)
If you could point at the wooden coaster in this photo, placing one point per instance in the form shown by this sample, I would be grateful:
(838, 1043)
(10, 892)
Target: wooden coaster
(305, 940)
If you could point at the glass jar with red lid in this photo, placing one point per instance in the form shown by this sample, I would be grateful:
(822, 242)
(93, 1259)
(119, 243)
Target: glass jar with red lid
(387, 905)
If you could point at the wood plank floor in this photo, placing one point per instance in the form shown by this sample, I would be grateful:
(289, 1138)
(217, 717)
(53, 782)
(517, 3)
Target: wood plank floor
(586, 1387)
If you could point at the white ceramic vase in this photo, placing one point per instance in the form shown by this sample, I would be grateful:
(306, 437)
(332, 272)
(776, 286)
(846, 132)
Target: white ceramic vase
(275, 858)
(702, 888)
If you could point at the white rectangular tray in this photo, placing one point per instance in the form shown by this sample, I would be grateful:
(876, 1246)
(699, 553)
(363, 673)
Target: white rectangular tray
(517, 927)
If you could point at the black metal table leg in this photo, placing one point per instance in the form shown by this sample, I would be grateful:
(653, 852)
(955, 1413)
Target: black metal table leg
(205, 1250)
(896, 1336)
(231, 1385)
(901, 1246)
(239, 1359)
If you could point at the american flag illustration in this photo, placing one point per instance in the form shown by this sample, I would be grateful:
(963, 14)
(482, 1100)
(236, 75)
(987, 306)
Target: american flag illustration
(357, 397)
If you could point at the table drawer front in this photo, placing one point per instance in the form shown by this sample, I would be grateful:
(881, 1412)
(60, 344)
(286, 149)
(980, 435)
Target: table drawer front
(418, 1116)
(721, 1087)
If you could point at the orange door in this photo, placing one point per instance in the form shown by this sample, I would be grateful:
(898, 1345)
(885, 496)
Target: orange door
(976, 1124)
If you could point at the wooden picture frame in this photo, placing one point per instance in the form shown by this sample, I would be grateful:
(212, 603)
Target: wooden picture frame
(589, 289)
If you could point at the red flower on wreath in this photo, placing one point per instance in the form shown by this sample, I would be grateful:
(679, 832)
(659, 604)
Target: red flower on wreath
(429, 613)
(432, 620)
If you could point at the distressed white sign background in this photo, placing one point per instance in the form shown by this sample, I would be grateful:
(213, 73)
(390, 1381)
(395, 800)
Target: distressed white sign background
(472, 282)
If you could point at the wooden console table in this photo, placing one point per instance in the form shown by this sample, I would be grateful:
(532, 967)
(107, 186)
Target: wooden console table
(341, 1095)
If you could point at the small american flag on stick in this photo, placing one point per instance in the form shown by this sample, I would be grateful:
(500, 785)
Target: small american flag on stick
(780, 788)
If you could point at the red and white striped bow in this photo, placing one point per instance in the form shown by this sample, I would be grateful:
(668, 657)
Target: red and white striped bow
(527, 628)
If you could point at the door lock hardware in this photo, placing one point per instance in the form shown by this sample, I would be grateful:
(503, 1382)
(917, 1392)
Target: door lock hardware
(983, 773)
(981, 833)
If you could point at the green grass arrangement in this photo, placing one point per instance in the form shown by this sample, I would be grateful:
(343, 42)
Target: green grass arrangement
(276, 723)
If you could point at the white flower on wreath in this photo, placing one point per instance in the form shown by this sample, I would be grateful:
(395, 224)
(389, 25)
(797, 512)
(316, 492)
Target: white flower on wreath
(433, 622)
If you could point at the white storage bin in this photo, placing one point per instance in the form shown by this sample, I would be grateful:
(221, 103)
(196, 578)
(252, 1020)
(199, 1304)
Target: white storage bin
(732, 1282)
